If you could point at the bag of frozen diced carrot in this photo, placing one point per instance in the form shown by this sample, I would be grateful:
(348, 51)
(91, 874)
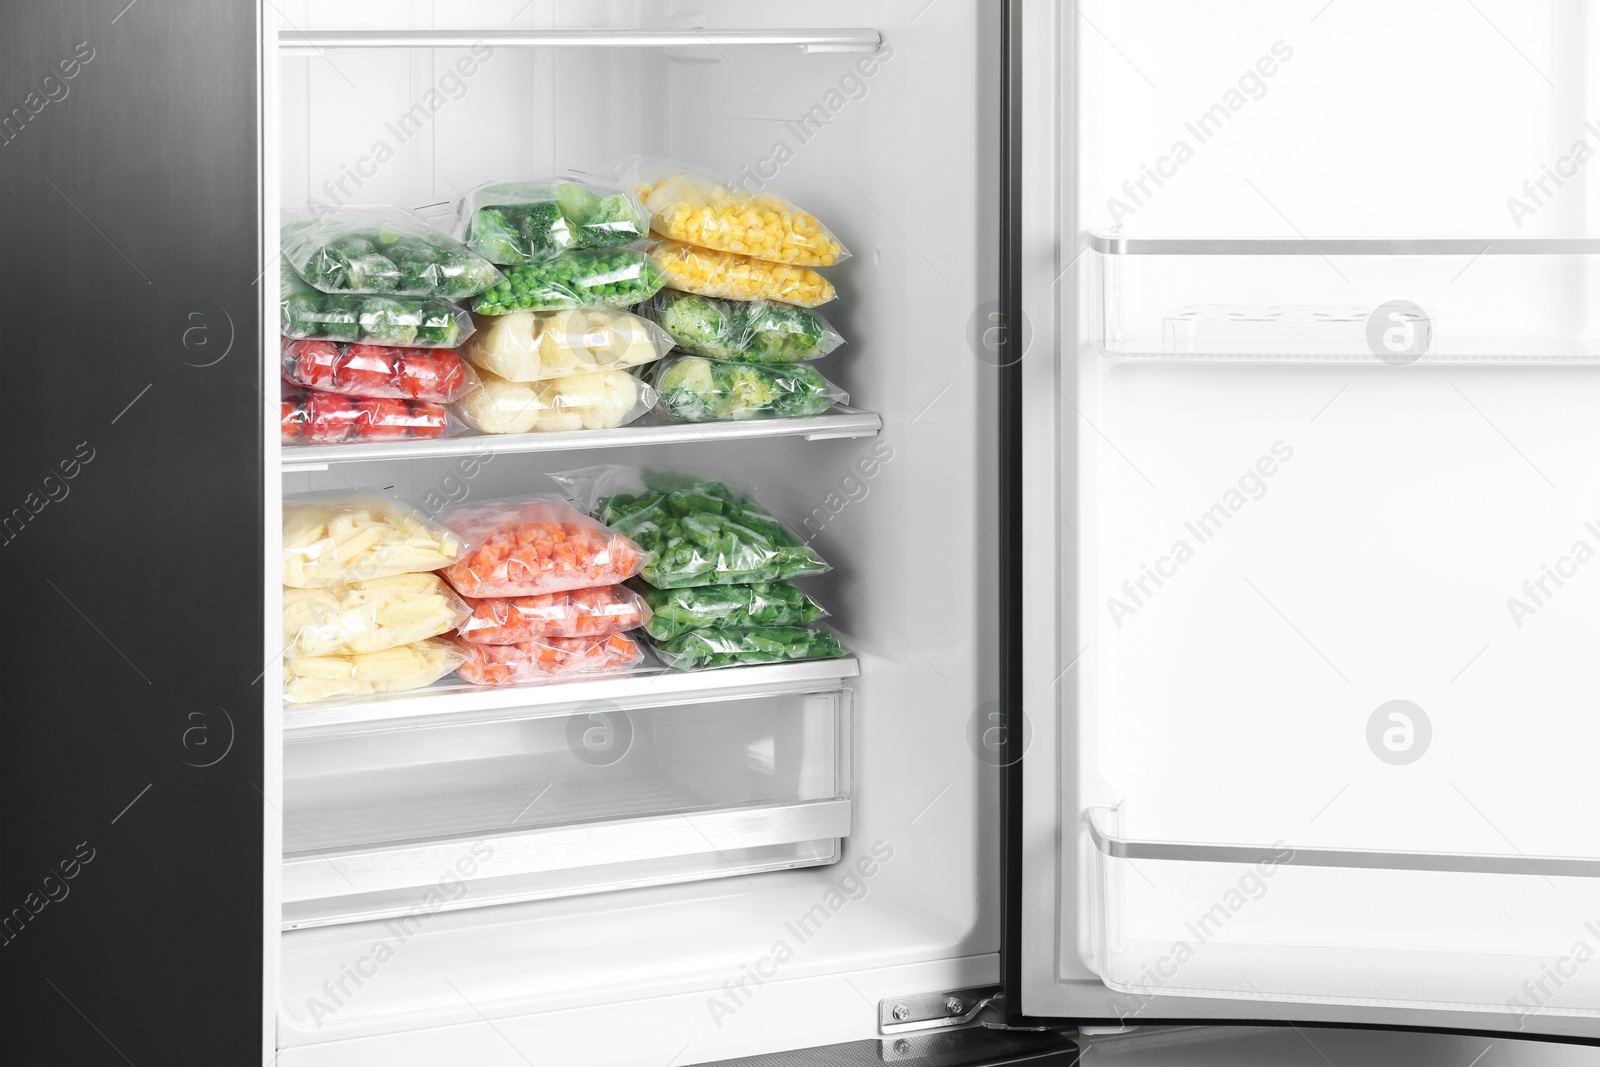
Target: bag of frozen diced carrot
(605, 609)
(547, 657)
(534, 546)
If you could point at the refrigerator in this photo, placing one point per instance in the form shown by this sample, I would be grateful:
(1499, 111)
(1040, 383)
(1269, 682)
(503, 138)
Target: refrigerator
(1212, 526)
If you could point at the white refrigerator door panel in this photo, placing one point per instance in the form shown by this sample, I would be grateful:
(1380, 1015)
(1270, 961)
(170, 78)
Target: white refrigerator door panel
(1322, 568)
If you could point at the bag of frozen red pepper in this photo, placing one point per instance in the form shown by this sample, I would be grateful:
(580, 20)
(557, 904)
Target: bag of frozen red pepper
(605, 609)
(313, 418)
(547, 657)
(519, 548)
(437, 375)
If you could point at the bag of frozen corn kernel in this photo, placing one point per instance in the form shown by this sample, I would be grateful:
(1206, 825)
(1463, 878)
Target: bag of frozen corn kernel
(708, 272)
(701, 209)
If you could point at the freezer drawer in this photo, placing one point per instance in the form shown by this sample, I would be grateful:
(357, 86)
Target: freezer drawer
(448, 816)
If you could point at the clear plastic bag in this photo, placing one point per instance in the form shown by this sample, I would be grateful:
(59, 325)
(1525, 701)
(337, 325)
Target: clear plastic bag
(694, 531)
(313, 418)
(335, 538)
(521, 222)
(548, 657)
(598, 400)
(748, 331)
(605, 609)
(408, 321)
(695, 389)
(307, 679)
(705, 649)
(532, 346)
(674, 612)
(702, 209)
(369, 616)
(616, 277)
(730, 276)
(437, 375)
(529, 547)
(383, 250)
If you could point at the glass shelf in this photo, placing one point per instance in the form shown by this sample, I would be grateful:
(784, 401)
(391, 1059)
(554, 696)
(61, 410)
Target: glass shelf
(293, 42)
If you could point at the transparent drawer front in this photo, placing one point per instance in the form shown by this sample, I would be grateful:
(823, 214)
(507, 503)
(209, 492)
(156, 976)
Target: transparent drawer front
(521, 808)
(1444, 301)
(1510, 934)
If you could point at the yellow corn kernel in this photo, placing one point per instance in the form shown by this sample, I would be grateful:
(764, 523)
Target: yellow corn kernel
(734, 277)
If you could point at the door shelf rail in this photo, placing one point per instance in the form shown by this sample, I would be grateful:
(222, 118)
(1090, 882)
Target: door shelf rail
(457, 702)
(1111, 243)
(834, 424)
(295, 42)
(1128, 848)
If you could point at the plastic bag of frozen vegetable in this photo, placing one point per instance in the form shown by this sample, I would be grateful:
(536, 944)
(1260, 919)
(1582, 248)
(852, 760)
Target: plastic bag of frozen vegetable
(433, 374)
(703, 649)
(617, 277)
(731, 276)
(749, 331)
(383, 250)
(407, 321)
(593, 400)
(532, 346)
(713, 212)
(694, 389)
(674, 612)
(694, 531)
(514, 223)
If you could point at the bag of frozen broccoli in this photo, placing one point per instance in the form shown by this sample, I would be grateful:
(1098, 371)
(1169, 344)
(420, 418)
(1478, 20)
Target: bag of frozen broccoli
(406, 321)
(743, 331)
(695, 389)
(514, 223)
(365, 250)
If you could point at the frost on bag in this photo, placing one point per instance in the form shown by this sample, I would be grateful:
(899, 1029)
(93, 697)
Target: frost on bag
(693, 389)
(529, 547)
(437, 375)
(383, 250)
(597, 400)
(307, 679)
(335, 538)
(408, 321)
(702, 209)
(704, 649)
(514, 223)
(617, 277)
(674, 612)
(753, 331)
(313, 418)
(730, 276)
(606, 609)
(695, 531)
(532, 346)
(369, 616)
(539, 658)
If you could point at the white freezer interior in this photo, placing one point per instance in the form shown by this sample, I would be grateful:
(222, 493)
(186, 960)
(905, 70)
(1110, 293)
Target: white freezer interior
(1318, 532)
(901, 175)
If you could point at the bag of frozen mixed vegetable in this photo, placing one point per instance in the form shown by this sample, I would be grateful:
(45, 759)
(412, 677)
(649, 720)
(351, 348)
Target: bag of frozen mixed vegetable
(702, 209)
(313, 418)
(708, 272)
(531, 346)
(539, 658)
(370, 616)
(339, 537)
(407, 321)
(604, 609)
(307, 679)
(513, 223)
(695, 389)
(365, 250)
(596, 400)
(674, 612)
(437, 375)
(616, 277)
(704, 649)
(750, 331)
(529, 547)
(694, 531)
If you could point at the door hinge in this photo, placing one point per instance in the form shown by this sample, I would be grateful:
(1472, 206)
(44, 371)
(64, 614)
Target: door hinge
(939, 1011)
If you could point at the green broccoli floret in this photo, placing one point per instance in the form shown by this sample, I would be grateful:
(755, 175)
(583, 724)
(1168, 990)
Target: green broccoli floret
(697, 323)
(688, 390)
(388, 322)
(494, 237)
(782, 333)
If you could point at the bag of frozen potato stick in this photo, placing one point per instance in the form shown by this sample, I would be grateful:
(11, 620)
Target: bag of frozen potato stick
(340, 537)
(307, 679)
(369, 616)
